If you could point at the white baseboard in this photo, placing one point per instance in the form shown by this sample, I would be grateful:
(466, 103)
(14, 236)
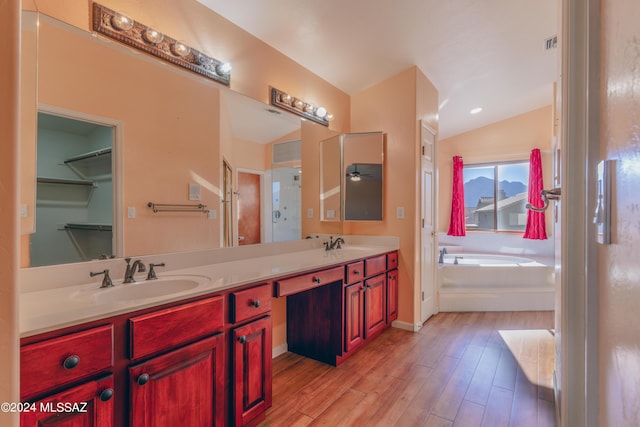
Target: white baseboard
(406, 326)
(281, 349)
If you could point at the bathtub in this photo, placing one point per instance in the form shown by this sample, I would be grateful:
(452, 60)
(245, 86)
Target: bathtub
(487, 282)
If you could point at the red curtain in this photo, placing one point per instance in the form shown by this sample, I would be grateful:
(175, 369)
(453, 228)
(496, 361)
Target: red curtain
(457, 223)
(536, 223)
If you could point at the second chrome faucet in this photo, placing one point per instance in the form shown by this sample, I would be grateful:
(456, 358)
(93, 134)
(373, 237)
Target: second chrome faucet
(132, 269)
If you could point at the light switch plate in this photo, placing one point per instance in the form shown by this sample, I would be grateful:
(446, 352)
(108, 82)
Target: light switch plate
(24, 211)
(131, 212)
(194, 191)
(212, 214)
(310, 213)
(400, 212)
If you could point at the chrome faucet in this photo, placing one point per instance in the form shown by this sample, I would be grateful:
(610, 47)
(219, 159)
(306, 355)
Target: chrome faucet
(131, 270)
(443, 252)
(333, 244)
(455, 261)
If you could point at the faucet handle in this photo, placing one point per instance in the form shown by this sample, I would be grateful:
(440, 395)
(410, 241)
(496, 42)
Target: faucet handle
(152, 273)
(106, 280)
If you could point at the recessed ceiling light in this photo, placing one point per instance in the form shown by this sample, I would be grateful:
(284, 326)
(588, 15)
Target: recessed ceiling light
(475, 110)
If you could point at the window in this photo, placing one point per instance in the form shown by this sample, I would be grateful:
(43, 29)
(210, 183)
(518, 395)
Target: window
(489, 185)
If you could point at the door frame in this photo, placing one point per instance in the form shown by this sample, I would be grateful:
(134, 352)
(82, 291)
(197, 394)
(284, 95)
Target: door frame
(578, 403)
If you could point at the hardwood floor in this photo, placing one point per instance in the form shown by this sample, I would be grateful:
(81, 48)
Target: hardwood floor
(461, 369)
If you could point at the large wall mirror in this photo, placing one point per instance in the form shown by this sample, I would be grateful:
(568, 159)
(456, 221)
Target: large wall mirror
(169, 129)
(351, 182)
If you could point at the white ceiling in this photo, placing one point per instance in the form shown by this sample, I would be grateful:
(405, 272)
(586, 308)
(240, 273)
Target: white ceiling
(478, 53)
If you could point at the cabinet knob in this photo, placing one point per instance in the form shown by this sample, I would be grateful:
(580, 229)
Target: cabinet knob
(255, 303)
(143, 379)
(242, 339)
(357, 272)
(317, 279)
(71, 362)
(106, 394)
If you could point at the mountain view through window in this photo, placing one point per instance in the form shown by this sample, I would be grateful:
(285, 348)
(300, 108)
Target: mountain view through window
(495, 196)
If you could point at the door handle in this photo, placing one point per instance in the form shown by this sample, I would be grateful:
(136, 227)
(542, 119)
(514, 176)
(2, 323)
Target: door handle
(553, 194)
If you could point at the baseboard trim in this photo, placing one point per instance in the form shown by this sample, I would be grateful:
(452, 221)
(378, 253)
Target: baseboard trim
(281, 349)
(406, 326)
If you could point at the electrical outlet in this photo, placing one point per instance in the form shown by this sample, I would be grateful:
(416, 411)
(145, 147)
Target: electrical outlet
(400, 212)
(131, 212)
(212, 214)
(310, 213)
(24, 211)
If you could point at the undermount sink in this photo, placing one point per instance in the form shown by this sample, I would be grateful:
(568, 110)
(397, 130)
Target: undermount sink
(146, 289)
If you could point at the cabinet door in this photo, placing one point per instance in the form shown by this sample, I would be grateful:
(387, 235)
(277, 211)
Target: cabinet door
(353, 316)
(182, 388)
(375, 305)
(251, 370)
(89, 404)
(392, 295)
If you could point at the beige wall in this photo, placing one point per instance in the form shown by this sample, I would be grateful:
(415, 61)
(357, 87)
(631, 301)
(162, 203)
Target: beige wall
(395, 106)
(619, 274)
(9, 225)
(510, 139)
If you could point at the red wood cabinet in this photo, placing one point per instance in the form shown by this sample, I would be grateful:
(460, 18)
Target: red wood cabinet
(353, 316)
(89, 404)
(375, 305)
(183, 387)
(251, 357)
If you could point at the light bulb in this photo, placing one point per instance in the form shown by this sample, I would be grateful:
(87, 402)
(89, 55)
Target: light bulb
(121, 22)
(329, 117)
(180, 49)
(152, 36)
(223, 69)
(321, 112)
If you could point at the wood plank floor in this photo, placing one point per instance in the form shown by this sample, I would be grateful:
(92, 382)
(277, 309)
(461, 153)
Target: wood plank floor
(488, 369)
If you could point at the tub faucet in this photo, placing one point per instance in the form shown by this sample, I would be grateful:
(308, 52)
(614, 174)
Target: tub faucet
(131, 270)
(443, 252)
(455, 261)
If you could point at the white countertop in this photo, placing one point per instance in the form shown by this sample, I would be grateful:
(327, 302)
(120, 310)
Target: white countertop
(58, 306)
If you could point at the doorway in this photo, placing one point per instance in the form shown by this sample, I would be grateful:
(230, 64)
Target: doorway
(428, 240)
(249, 203)
(75, 197)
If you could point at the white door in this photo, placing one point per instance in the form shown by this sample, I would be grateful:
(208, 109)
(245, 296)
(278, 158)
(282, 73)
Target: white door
(428, 239)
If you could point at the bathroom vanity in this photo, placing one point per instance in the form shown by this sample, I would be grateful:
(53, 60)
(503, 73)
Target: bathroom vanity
(154, 361)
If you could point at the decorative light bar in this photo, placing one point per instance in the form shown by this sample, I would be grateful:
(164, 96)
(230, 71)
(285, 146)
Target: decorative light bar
(124, 29)
(297, 106)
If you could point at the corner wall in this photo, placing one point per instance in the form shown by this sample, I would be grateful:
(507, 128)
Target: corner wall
(396, 106)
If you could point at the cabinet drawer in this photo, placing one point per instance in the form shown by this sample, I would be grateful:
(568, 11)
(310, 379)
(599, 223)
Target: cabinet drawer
(392, 260)
(375, 265)
(354, 272)
(57, 361)
(308, 281)
(164, 329)
(250, 303)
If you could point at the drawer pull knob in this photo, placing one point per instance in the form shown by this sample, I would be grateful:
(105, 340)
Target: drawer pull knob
(143, 379)
(356, 272)
(317, 279)
(255, 303)
(242, 339)
(71, 362)
(106, 394)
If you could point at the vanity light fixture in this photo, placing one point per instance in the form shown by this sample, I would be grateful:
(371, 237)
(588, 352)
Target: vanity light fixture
(132, 33)
(301, 108)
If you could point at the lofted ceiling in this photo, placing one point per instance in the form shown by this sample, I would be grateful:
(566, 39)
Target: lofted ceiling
(478, 53)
